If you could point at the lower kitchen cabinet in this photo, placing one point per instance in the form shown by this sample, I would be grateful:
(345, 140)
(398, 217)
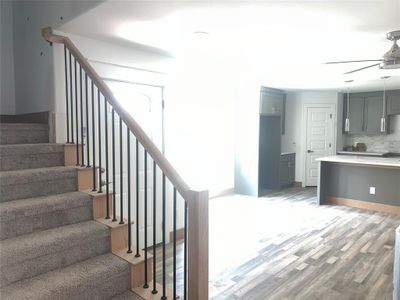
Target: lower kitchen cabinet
(287, 169)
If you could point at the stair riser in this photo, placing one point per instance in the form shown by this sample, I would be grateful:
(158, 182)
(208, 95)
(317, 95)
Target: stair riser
(32, 161)
(87, 248)
(38, 188)
(28, 224)
(15, 136)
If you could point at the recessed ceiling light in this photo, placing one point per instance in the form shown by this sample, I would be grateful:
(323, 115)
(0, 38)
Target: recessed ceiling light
(200, 32)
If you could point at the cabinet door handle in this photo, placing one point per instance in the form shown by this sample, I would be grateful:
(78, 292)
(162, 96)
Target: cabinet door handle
(310, 151)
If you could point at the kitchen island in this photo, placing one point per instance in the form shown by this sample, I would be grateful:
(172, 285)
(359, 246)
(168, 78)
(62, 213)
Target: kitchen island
(364, 182)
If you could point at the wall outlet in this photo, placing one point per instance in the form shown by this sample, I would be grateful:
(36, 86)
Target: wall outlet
(372, 190)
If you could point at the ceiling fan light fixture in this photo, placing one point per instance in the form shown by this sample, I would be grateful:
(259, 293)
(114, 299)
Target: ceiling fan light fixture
(390, 64)
(390, 60)
(200, 33)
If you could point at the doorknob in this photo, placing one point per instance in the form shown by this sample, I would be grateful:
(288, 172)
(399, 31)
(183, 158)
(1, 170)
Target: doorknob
(310, 151)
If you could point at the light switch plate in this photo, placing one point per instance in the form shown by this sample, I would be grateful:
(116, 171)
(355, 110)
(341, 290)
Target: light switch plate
(372, 190)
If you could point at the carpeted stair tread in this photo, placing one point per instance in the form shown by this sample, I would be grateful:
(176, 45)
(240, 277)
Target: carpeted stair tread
(30, 156)
(100, 277)
(23, 133)
(128, 295)
(24, 216)
(30, 183)
(32, 254)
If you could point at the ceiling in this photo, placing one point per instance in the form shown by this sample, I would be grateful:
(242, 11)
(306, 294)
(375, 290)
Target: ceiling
(280, 44)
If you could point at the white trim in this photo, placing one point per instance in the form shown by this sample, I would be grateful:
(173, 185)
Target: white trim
(222, 193)
(305, 106)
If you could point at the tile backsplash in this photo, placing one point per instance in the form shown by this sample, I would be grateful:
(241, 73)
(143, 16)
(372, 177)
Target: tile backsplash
(379, 143)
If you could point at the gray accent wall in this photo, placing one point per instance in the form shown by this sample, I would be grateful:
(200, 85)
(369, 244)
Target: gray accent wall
(7, 89)
(32, 56)
(353, 182)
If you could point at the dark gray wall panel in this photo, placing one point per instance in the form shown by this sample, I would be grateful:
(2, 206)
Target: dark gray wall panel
(353, 182)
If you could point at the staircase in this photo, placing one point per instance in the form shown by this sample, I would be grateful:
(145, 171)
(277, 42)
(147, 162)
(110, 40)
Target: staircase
(93, 218)
(51, 248)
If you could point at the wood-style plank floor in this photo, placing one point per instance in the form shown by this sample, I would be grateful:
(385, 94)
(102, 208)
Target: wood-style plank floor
(285, 246)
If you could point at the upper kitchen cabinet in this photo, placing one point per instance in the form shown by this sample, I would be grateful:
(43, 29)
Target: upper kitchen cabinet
(365, 112)
(356, 114)
(393, 102)
(272, 103)
(372, 114)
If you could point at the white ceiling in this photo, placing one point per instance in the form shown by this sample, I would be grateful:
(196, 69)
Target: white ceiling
(281, 44)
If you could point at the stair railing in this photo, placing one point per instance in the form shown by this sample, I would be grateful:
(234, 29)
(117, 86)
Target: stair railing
(83, 86)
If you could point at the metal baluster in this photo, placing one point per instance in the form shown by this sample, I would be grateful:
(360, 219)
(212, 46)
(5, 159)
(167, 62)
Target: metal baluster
(76, 112)
(137, 199)
(174, 245)
(128, 140)
(154, 291)
(100, 190)
(66, 91)
(82, 143)
(163, 239)
(121, 178)
(145, 221)
(93, 140)
(113, 163)
(87, 122)
(107, 174)
(185, 253)
(71, 98)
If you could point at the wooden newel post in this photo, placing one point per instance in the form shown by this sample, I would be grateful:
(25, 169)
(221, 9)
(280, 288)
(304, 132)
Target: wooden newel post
(198, 245)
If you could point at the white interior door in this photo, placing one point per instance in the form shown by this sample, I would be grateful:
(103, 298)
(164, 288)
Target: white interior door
(319, 138)
(144, 103)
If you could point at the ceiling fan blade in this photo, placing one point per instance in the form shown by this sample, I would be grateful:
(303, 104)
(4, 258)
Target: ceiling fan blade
(350, 61)
(362, 68)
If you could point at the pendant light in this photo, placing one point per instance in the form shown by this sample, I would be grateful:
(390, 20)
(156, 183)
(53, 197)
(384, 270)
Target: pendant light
(347, 121)
(383, 119)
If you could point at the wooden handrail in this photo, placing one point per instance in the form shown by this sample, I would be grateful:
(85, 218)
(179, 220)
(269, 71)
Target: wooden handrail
(146, 142)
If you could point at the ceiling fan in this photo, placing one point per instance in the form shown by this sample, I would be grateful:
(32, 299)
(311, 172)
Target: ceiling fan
(390, 60)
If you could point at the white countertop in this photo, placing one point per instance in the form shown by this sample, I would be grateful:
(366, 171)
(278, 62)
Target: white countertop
(363, 160)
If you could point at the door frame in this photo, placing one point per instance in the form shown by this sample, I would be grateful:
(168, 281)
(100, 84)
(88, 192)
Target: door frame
(161, 87)
(159, 175)
(305, 106)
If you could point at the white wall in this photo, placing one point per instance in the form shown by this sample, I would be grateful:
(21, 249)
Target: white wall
(294, 139)
(198, 114)
(33, 56)
(199, 106)
(247, 130)
(200, 120)
(7, 94)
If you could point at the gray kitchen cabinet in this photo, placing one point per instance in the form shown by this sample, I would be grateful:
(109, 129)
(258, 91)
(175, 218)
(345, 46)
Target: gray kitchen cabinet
(356, 114)
(372, 114)
(287, 169)
(272, 103)
(393, 102)
(365, 112)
